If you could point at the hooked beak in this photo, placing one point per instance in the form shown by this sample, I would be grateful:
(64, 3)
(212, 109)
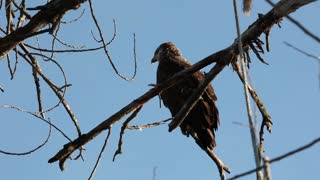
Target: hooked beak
(154, 59)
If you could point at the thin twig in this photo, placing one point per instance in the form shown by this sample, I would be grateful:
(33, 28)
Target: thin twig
(75, 19)
(123, 128)
(136, 127)
(39, 117)
(21, 8)
(64, 50)
(317, 58)
(55, 37)
(288, 154)
(113, 36)
(105, 46)
(33, 150)
(100, 155)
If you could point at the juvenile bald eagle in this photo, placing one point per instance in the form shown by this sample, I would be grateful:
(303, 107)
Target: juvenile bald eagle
(203, 119)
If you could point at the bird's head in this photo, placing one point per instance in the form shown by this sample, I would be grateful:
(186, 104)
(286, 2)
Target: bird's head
(164, 50)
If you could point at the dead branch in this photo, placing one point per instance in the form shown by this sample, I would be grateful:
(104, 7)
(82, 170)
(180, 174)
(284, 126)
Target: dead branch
(106, 51)
(51, 85)
(254, 140)
(299, 25)
(123, 128)
(222, 58)
(51, 13)
(264, 22)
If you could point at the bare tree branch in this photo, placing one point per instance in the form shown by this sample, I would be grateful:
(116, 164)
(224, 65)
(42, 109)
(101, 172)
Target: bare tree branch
(123, 128)
(52, 86)
(222, 58)
(106, 50)
(51, 13)
(254, 140)
(299, 25)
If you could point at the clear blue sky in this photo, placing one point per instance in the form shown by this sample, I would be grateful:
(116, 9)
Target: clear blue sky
(289, 87)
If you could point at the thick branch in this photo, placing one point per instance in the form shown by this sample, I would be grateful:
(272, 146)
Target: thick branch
(299, 25)
(48, 14)
(264, 23)
(85, 138)
(222, 57)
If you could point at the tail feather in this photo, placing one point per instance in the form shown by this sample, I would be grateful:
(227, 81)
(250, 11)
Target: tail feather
(205, 139)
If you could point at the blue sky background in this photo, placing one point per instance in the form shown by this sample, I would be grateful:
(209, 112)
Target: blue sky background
(289, 87)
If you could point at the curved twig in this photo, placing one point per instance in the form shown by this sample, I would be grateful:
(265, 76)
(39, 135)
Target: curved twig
(33, 150)
(55, 37)
(39, 117)
(288, 154)
(105, 46)
(64, 50)
(75, 19)
(100, 155)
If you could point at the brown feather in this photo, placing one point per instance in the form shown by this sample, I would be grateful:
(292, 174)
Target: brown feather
(203, 119)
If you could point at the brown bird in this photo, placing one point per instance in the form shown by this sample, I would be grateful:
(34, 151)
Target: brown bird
(203, 119)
